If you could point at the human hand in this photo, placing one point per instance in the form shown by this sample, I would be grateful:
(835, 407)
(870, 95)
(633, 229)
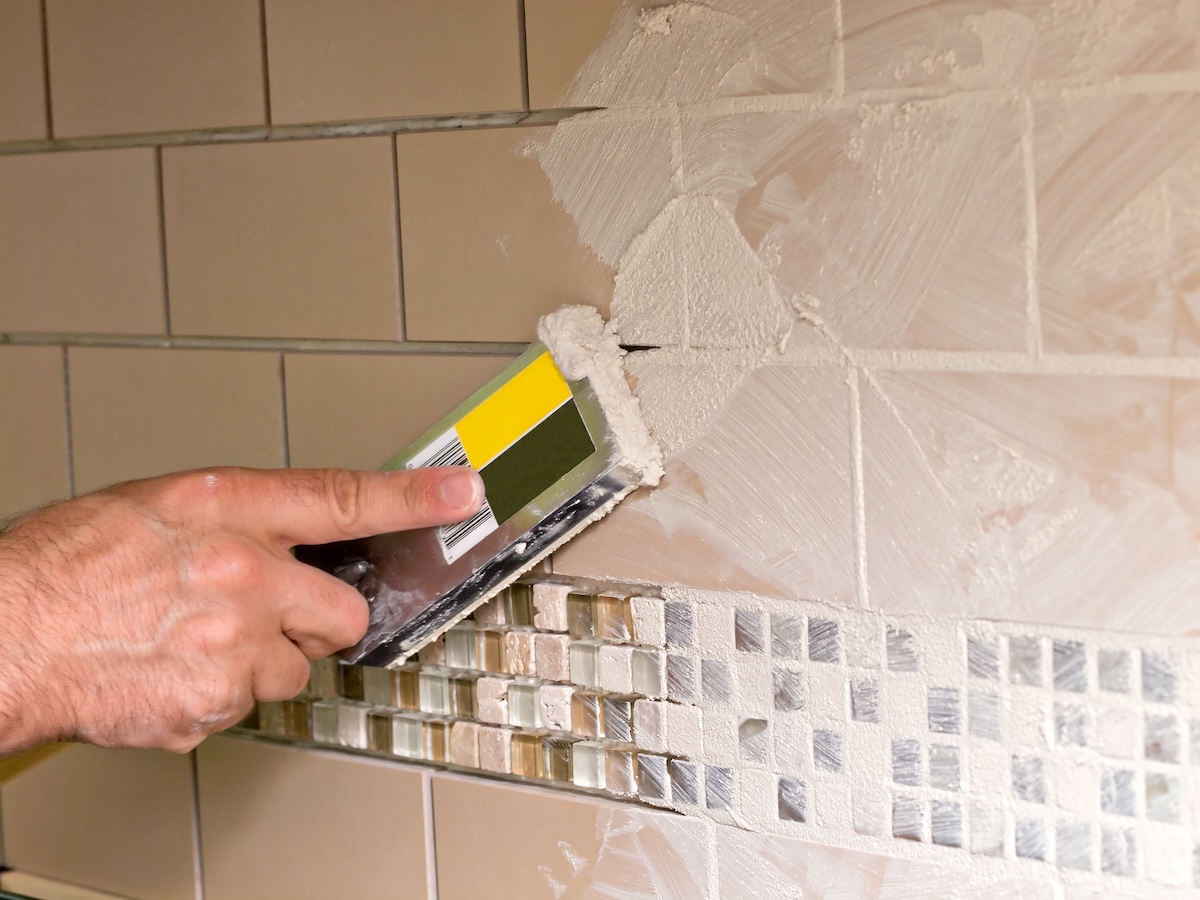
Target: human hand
(155, 612)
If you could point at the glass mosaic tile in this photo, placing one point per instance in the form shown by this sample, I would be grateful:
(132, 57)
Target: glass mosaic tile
(748, 627)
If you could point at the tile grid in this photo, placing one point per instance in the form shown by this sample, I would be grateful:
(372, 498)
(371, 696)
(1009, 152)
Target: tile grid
(998, 740)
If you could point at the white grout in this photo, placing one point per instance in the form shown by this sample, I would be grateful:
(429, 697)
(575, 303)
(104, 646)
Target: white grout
(859, 498)
(1032, 297)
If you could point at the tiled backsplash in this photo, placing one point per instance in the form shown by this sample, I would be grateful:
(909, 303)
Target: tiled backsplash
(920, 278)
(1080, 751)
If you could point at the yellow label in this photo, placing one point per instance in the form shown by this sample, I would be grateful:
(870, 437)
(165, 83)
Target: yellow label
(506, 416)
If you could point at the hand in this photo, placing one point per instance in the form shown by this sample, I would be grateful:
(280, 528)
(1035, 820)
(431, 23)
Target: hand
(154, 613)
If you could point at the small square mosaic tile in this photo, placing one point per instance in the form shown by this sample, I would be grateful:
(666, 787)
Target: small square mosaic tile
(1036, 745)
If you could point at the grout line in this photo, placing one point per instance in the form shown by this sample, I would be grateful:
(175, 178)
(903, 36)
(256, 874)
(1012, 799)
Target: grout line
(714, 856)
(46, 71)
(291, 345)
(431, 874)
(66, 370)
(266, 64)
(996, 363)
(401, 326)
(162, 237)
(858, 487)
(1032, 298)
(197, 843)
(839, 50)
(314, 131)
(283, 403)
(523, 50)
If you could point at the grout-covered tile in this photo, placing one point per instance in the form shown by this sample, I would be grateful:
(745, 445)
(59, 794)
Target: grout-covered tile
(486, 248)
(904, 43)
(291, 239)
(1110, 254)
(204, 62)
(81, 250)
(142, 412)
(22, 72)
(360, 59)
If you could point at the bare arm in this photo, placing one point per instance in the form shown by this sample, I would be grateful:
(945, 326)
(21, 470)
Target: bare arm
(154, 613)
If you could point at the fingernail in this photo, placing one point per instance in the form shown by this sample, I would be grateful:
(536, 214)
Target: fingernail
(461, 488)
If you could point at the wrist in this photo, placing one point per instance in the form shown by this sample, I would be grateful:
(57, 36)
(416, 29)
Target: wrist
(25, 688)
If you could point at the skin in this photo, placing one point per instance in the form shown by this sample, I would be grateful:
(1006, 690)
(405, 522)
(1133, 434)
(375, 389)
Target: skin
(154, 613)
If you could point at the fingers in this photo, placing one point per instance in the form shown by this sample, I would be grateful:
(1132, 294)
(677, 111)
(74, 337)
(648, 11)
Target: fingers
(280, 671)
(319, 506)
(318, 613)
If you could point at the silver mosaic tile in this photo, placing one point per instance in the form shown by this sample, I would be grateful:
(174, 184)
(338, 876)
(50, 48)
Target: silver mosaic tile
(946, 823)
(1073, 845)
(1163, 797)
(1070, 666)
(983, 658)
(906, 762)
(1159, 678)
(788, 689)
(1161, 738)
(908, 818)
(787, 637)
(983, 714)
(864, 701)
(716, 683)
(680, 620)
(901, 650)
(1029, 838)
(824, 640)
(748, 630)
(945, 767)
(1029, 779)
(1113, 668)
(685, 782)
(1118, 851)
(792, 800)
(753, 738)
(681, 678)
(1118, 795)
(827, 750)
(1070, 724)
(1025, 661)
(945, 714)
(718, 787)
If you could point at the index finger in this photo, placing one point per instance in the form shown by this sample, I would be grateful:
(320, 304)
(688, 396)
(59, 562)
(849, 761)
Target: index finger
(319, 506)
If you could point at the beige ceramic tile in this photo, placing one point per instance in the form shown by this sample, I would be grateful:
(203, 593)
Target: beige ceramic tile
(293, 239)
(757, 493)
(359, 411)
(559, 38)
(757, 865)
(336, 60)
(1065, 500)
(33, 449)
(288, 822)
(882, 226)
(142, 65)
(660, 52)
(486, 248)
(119, 821)
(902, 43)
(48, 889)
(1116, 237)
(539, 843)
(22, 74)
(79, 243)
(137, 413)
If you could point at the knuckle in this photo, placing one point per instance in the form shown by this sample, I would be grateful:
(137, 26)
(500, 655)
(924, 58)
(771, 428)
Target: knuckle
(343, 495)
(215, 636)
(229, 564)
(198, 489)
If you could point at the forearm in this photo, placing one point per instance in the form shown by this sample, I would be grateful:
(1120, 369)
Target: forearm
(25, 719)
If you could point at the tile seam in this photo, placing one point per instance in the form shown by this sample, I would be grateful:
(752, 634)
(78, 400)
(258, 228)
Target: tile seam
(49, 110)
(197, 841)
(298, 345)
(70, 448)
(266, 60)
(1170, 83)
(162, 237)
(839, 50)
(859, 499)
(1032, 295)
(285, 437)
(315, 131)
(431, 873)
(401, 325)
(523, 53)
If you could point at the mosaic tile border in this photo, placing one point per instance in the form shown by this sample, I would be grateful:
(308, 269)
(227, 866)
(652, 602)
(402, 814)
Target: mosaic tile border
(1039, 745)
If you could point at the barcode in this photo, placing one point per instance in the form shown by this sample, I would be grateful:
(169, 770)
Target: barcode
(460, 537)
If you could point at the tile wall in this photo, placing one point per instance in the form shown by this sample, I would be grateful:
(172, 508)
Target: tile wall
(919, 279)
